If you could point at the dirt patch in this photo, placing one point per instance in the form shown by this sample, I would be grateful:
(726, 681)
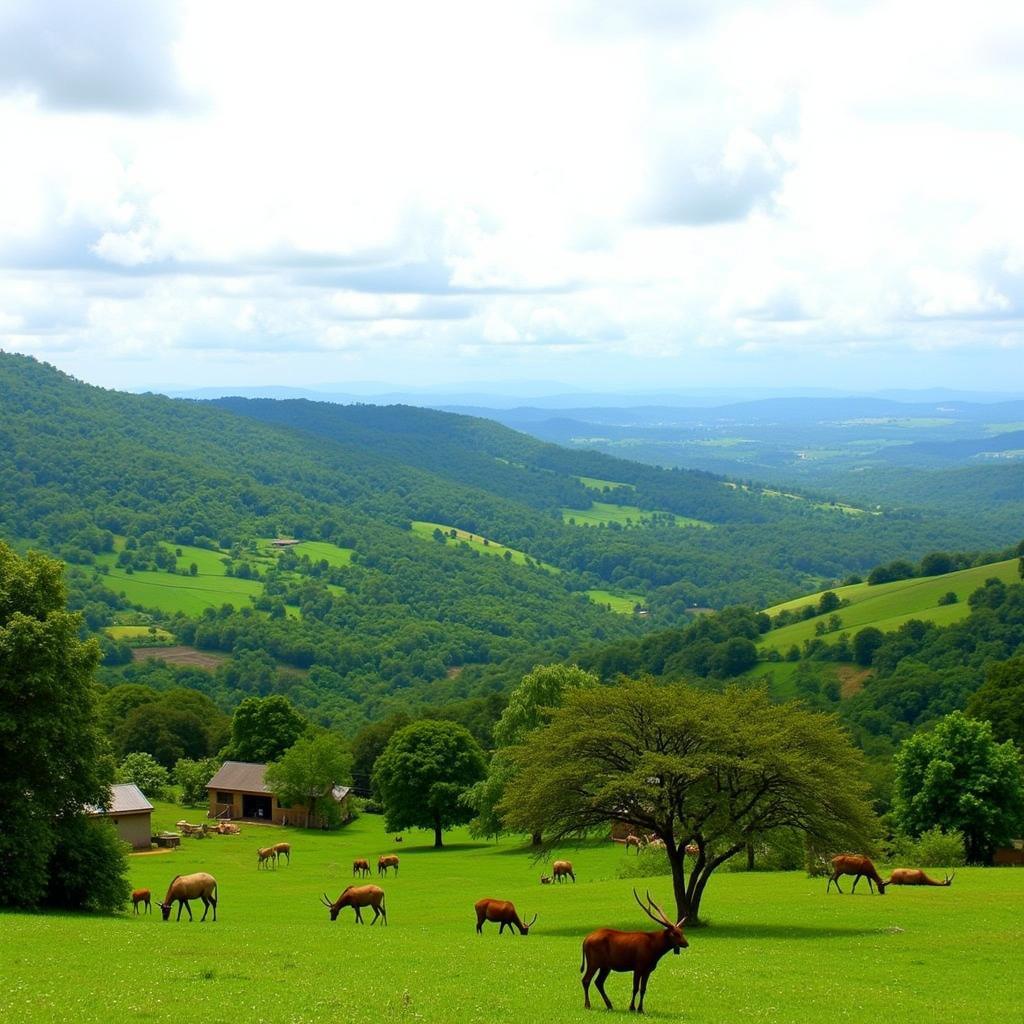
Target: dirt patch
(851, 680)
(150, 853)
(190, 657)
(454, 672)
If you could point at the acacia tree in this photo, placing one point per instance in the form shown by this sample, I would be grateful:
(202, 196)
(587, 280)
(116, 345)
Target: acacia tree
(308, 771)
(422, 774)
(53, 757)
(718, 770)
(958, 778)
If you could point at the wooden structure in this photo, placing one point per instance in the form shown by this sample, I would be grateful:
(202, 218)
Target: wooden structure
(1010, 856)
(129, 812)
(238, 792)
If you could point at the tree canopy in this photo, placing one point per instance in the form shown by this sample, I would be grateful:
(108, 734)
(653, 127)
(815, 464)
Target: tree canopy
(263, 728)
(422, 774)
(1000, 700)
(307, 772)
(718, 770)
(958, 777)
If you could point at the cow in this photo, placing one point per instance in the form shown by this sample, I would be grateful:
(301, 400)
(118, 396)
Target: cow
(360, 866)
(357, 897)
(915, 876)
(562, 869)
(183, 888)
(142, 896)
(385, 861)
(858, 866)
(501, 911)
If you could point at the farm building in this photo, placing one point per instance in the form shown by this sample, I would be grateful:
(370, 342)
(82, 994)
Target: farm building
(238, 791)
(129, 812)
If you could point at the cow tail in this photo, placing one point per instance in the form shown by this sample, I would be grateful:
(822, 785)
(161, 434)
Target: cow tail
(583, 960)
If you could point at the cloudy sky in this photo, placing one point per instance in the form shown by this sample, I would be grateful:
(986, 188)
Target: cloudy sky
(688, 194)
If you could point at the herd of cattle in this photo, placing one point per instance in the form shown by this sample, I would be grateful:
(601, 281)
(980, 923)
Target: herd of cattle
(604, 950)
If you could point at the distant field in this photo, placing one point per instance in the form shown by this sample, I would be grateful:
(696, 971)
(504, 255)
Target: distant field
(622, 603)
(888, 605)
(172, 593)
(596, 484)
(317, 550)
(601, 512)
(778, 950)
(131, 633)
(478, 542)
(184, 657)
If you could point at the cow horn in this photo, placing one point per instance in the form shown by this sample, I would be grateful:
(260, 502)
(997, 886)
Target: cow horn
(531, 924)
(949, 879)
(661, 913)
(646, 910)
(682, 921)
(326, 902)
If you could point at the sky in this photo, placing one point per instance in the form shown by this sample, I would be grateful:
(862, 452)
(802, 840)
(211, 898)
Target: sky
(645, 195)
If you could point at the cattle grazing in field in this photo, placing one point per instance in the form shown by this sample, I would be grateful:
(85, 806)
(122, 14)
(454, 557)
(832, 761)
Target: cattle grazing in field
(183, 888)
(266, 857)
(142, 896)
(562, 868)
(360, 866)
(915, 876)
(387, 860)
(858, 866)
(545, 879)
(501, 911)
(357, 897)
(608, 950)
(283, 850)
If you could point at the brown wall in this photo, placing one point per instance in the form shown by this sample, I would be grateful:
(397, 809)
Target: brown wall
(294, 815)
(1008, 857)
(135, 829)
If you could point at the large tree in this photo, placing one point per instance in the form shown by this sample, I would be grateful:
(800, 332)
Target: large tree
(1000, 700)
(263, 728)
(308, 770)
(422, 774)
(958, 777)
(718, 770)
(53, 758)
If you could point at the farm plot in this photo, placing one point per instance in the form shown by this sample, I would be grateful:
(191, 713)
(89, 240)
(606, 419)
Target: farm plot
(778, 949)
(602, 513)
(477, 542)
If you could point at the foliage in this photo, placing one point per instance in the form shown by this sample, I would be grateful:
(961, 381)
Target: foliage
(191, 778)
(52, 754)
(530, 704)
(263, 728)
(484, 796)
(89, 870)
(147, 773)
(957, 777)
(932, 848)
(1000, 700)
(689, 766)
(422, 774)
(307, 771)
(648, 862)
(369, 743)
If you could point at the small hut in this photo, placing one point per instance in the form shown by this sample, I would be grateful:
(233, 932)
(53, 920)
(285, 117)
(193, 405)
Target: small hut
(129, 812)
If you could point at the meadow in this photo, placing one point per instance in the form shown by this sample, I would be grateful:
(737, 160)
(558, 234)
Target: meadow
(602, 513)
(887, 606)
(778, 948)
(477, 542)
(621, 602)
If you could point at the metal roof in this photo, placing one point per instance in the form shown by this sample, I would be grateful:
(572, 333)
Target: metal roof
(240, 776)
(125, 798)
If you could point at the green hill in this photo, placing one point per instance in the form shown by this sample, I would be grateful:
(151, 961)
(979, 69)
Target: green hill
(886, 606)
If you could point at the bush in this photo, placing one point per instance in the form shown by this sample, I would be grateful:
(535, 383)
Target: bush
(933, 849)
(650, 861)
(146, 772)
(948, 598)
(89, 869)
(192, 777)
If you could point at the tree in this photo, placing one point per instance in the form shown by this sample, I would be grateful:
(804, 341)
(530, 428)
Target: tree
(263, 728)
(192, 776)
(423, 773)
(865, 642)
(1000, 700)
(308, 771)
(719, 770)
(146, 772)
(958, 777)
(53, 758)
(369, 744)
(828, 602)
(163, 732)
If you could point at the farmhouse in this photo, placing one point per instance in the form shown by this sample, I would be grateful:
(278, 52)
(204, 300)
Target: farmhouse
(238, 791)
(129, 812)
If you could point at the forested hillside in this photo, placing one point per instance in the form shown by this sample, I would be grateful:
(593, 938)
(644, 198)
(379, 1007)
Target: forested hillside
(171, 506)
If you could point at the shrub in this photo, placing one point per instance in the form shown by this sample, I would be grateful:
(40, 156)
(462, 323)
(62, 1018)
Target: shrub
(933, 848)
(651, 861)
(948, 598)
(192, 777)
(146, 772)
(89, 869)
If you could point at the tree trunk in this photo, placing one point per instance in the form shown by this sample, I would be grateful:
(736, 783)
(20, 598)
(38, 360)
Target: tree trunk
(536, 839)
(750, 856)
(437, 834)
(675, 859)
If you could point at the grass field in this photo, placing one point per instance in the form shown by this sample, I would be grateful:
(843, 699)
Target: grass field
(172, 593)
(135, 633)
(477, 542)
(778, 950)
(597, 484)
(888, 605)
(602, 512)
(620, 602)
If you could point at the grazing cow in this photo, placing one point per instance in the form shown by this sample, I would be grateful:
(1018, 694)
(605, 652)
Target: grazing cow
(608, 950)
(859, 867)
(632, 840)
(357, 897)
(283, 850)
(503, 912)
(545, 879)
(266, 857)
(561, 868)
(387, 860)
(183, 888)
(361, 866)
(915, 876)
(142, 896)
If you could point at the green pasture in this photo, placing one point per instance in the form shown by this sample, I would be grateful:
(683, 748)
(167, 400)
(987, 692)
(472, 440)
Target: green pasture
(321, 551)
(778, 949)
(172, 593)
(134, 633)
(594, 483)
(602, 512)
(888, 605)
(620, 602)
(477, 542)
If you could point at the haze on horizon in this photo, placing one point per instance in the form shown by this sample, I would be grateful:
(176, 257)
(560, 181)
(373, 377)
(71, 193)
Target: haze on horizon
(655, 196)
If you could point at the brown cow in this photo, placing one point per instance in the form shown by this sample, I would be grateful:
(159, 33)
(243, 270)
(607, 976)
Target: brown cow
(387, 860)
(503, 911)
(183, 888)
(608, 950)
(357, 897)
(858, 866)
(283, 850)
(915, 876)
(561, 868)
(361, 866)
(266, 857)
(142, 896)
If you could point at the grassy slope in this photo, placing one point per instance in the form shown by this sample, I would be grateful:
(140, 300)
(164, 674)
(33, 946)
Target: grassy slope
(605, 512)
(779, 949)
(622, 602)
(476, 541)
(888, 605)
